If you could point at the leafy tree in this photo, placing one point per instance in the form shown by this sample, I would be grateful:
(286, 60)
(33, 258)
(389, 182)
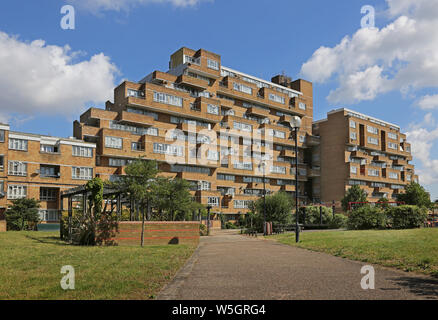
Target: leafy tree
(354, 194)
(415, 195)
(278, 209)
(383, 203)
(22, 214)
(172, 196)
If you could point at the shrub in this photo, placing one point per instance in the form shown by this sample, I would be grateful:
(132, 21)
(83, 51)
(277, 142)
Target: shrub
(230, 225)
(367, 217)
(313, 215)
(354, 194)
(339, 221)
(202, 230)
(406, 217)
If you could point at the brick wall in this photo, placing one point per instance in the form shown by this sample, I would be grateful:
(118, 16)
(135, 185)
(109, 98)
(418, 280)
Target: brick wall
(158, 233)
(2, 225)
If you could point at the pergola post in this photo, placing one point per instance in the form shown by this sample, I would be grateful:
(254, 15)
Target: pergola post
(70, 218)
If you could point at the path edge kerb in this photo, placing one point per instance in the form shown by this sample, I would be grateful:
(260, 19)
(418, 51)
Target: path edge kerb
(170, 290)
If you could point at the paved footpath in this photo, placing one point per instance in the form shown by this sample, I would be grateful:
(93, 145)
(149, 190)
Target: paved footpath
(232, 266)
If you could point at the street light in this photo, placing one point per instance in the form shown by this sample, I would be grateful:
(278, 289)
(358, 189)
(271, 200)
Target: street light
(295, 125)
(263, 164)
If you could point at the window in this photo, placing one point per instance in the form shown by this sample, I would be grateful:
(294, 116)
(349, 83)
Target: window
(276, 98)
(2, 160)
(168, 99)
(113, 142)
(48, 215)
(277, 134)
(393, 175)
(242, 88)
(372, 140)
(49, 149)
(373, 172)
(17, 168)
(213, 64)
(115, 162)
(135, 93)
(17, 144)
(302, 106)
(392, 145)
(243, 165)
(353, 170)
(242, 126)
(2, 135)
(408, 177)
(226, 177)
(136, 146)
(352, 124)
(16, 192)
(49, 171)
(372, 130)
(213, 201)
(357, 183)
(168, 149)
(193, 169)
(81, 173)
(48, 194)
(392, 136)
(278, 169)
(85, 152)
(204, 185)
(302, 139)
(143, 112)
(241, 204)
(213, 109)
(353, 136)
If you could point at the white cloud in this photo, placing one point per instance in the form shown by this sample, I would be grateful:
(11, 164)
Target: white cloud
(38, 78)
(401, 56)
(422, 141)
(428, 102)
(126, 5)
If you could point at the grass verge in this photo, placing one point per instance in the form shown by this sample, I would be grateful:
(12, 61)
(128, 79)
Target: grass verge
(408, 250)
(30, 265)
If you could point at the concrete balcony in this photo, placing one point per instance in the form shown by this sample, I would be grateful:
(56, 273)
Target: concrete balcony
(380, 159)
(135, 118)
(314, 172)
(359, 154)
(288, 188)
(400, 162)
(312, 141)
(258, 112)
(287, 153)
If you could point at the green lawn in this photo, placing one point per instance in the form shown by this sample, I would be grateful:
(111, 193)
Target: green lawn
(408, 250)
(30, 265)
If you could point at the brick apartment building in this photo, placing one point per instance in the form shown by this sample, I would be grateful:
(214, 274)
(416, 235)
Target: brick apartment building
(201, 107)
(357, 149)
(218, 128)
(40, 167)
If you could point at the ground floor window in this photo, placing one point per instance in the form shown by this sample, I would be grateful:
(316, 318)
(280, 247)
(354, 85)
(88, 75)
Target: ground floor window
(49, 215)
(17, 192)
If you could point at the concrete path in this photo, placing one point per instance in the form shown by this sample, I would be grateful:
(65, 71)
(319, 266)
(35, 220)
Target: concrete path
(228, 266)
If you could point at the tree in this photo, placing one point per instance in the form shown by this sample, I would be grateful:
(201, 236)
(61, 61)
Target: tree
(22, 214)
(383, 203)
(415, 195)
(172, 196)
(354, 194)
(278, 208)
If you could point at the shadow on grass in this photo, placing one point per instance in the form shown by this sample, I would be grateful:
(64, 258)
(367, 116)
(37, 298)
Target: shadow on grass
(48, 240)
(424, 287)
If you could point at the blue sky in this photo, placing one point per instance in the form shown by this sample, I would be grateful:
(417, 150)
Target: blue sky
(259, 37)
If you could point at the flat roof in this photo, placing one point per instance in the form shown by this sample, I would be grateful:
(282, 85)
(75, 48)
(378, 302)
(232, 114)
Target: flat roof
(262, 80)
(360, 114)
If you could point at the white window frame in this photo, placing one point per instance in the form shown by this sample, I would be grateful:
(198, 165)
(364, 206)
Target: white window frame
(165, 98)
(17, 168)
(48, 194)
(18, 144)
(112, 142)
(276, 98)
(80, 151)
(213, 64)
(242, 88)
(213, 109)
(85, 173)
(372, 130)
(372, 140)
(16, 192)
(352, 124)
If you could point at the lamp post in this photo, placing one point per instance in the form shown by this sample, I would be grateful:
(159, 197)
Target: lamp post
(295, 124)
(263, 164)
(208, 219)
